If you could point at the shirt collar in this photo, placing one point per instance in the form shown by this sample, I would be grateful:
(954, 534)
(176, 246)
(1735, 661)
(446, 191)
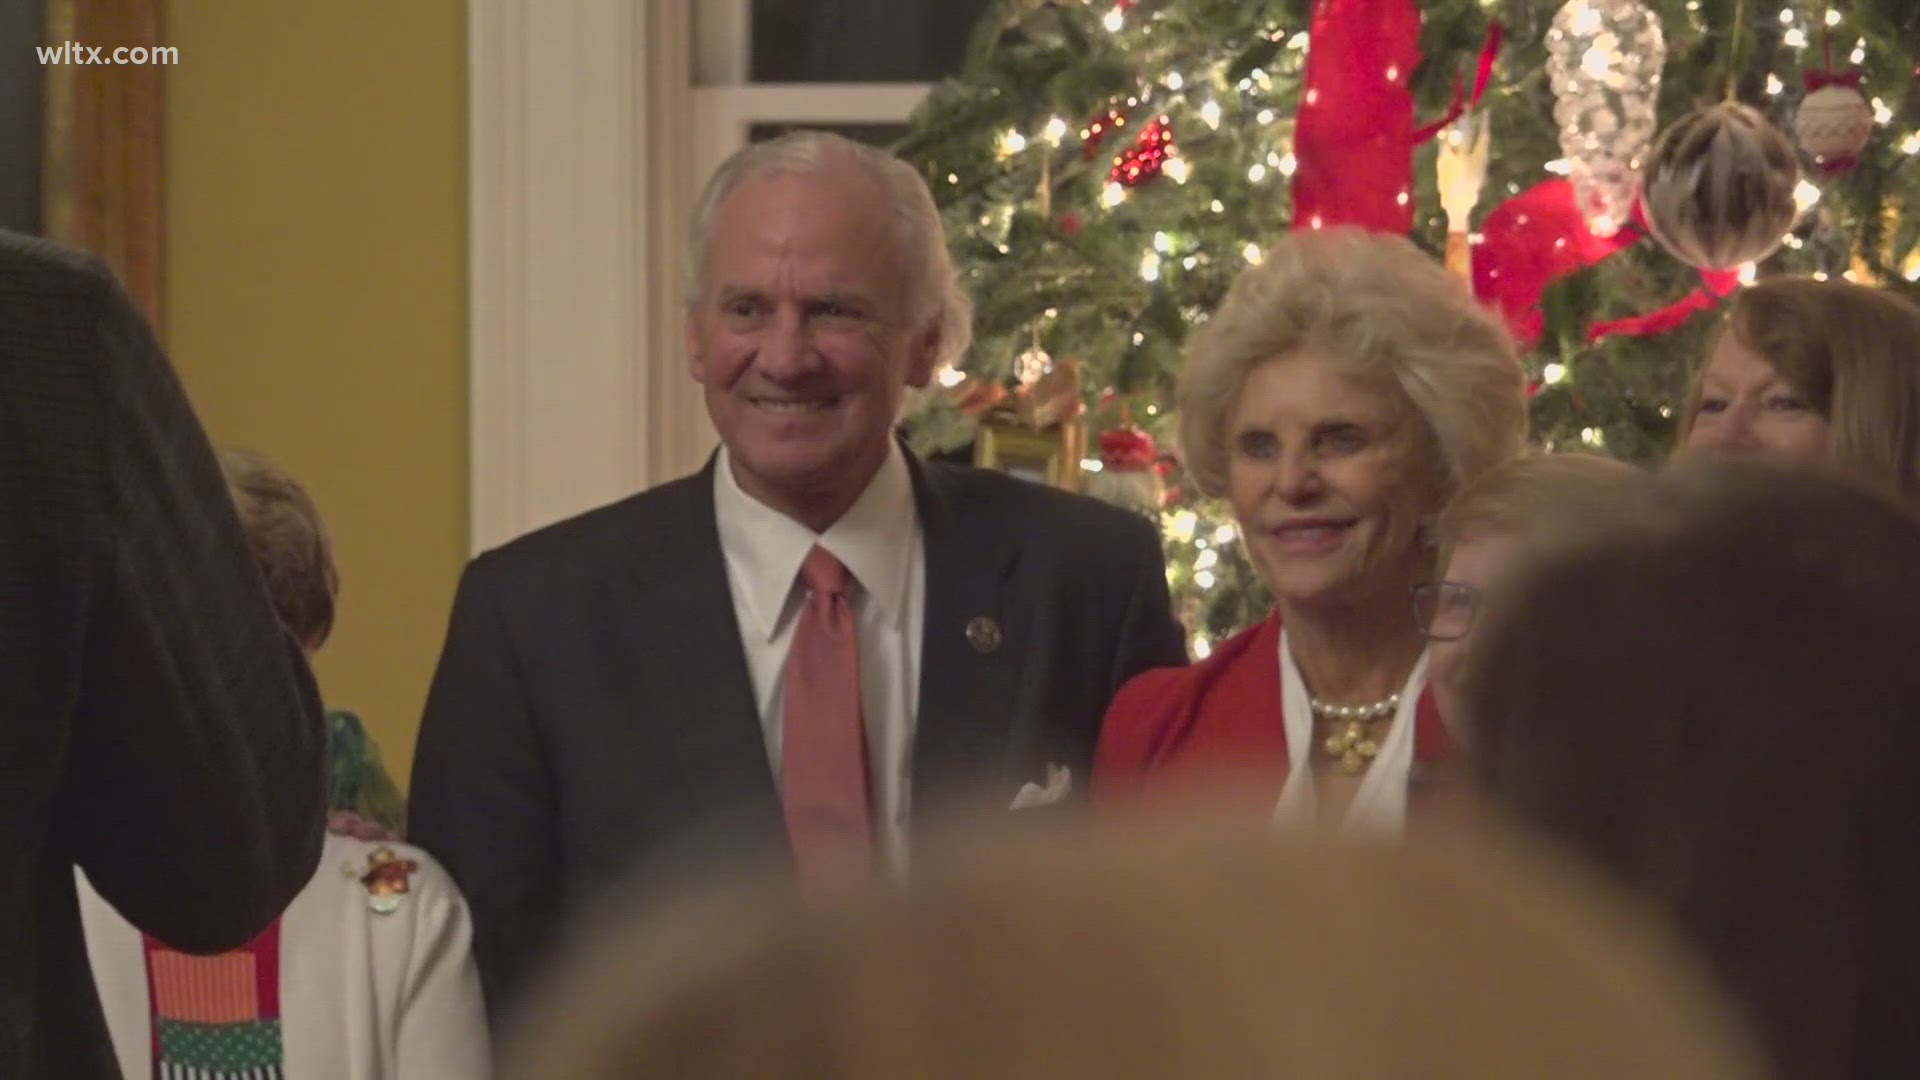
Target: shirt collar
(765, 547)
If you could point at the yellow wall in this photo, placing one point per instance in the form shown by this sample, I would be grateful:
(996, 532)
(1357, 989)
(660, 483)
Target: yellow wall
(316, 296)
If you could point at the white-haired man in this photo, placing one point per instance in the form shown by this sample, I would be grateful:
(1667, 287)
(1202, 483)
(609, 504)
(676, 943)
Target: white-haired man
(812, 644)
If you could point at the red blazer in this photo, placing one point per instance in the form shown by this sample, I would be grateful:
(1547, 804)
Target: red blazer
(1176, 728)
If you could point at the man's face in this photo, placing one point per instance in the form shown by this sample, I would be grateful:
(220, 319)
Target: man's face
(802, 336)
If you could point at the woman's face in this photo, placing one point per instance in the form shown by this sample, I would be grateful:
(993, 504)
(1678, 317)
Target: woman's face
(1747, 407)
(1477, 562)
(1330, 476)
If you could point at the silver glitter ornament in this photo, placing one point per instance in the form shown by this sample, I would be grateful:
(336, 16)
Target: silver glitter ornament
(1604, 59)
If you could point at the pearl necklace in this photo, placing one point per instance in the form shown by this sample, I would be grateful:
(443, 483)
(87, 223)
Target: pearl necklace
(1352, 742)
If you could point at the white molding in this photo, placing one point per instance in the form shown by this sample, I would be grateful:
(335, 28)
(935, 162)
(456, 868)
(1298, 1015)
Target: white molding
(571, 109)
(679, 434)
(722, 40)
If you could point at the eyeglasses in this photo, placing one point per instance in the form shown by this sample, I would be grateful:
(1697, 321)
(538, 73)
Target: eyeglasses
(1444, 609)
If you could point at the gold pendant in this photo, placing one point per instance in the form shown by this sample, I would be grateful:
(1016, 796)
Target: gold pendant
(1351, 745)
(1354, 747)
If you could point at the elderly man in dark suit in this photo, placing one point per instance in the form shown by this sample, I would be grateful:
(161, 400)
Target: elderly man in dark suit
(817, 642)
(158, 727)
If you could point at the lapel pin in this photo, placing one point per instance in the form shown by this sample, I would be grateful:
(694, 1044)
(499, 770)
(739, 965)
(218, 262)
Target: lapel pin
(983, 634)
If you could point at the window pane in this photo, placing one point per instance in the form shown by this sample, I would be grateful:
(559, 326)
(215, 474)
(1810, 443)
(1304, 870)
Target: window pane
(860, 40)
(881, 135)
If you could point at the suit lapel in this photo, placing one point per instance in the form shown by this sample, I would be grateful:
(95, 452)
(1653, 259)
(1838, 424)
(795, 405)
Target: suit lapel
(970, 646)
(688, 671)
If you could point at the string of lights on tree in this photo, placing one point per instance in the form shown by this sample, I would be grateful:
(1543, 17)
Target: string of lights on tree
(1105, 170)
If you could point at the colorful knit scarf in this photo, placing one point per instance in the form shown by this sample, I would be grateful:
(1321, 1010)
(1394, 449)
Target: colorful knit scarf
(217, 1017)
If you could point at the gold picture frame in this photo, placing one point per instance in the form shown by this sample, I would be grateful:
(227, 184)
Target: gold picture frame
(1048, 455)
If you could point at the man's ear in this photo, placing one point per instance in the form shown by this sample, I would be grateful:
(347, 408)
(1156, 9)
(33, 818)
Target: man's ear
(696, 361)
(924, 354)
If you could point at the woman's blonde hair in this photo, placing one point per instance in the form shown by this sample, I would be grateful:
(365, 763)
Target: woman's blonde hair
(1175, 952)
(1530, 492)
(1854, 351)
(1375, 303)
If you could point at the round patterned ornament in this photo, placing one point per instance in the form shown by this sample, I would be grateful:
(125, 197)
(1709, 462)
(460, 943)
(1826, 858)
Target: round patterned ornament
(1834, 123)
(1717, 189)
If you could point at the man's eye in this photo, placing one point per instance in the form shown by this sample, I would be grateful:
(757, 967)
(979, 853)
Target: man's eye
(835, 309)
(1343, 441)
(743, 307)
(1257, 444)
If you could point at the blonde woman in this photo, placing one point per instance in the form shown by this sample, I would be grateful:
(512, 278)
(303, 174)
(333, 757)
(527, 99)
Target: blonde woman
(1489, 526)
(1347, 386)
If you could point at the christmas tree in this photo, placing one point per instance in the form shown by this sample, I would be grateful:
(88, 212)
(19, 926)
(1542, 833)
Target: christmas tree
(1106, 169)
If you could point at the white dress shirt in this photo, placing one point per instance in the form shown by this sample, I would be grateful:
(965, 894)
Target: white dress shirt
(879, 541)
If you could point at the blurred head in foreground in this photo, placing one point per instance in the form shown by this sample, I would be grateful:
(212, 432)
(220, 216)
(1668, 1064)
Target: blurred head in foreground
(1714, 694)
(1172, 952)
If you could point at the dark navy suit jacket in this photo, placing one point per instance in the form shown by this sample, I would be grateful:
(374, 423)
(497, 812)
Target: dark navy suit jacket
(593, 713)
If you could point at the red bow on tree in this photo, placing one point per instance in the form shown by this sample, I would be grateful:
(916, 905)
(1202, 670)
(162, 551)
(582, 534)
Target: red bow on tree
(1528, 242)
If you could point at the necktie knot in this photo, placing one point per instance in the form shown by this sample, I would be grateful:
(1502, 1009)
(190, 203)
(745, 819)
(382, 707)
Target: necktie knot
(824, 574)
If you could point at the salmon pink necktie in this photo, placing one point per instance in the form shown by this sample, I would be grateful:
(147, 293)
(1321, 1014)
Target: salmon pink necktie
(823, 754)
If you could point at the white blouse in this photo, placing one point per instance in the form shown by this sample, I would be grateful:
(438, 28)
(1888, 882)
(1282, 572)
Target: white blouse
(364, 994)
(1379, 807)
